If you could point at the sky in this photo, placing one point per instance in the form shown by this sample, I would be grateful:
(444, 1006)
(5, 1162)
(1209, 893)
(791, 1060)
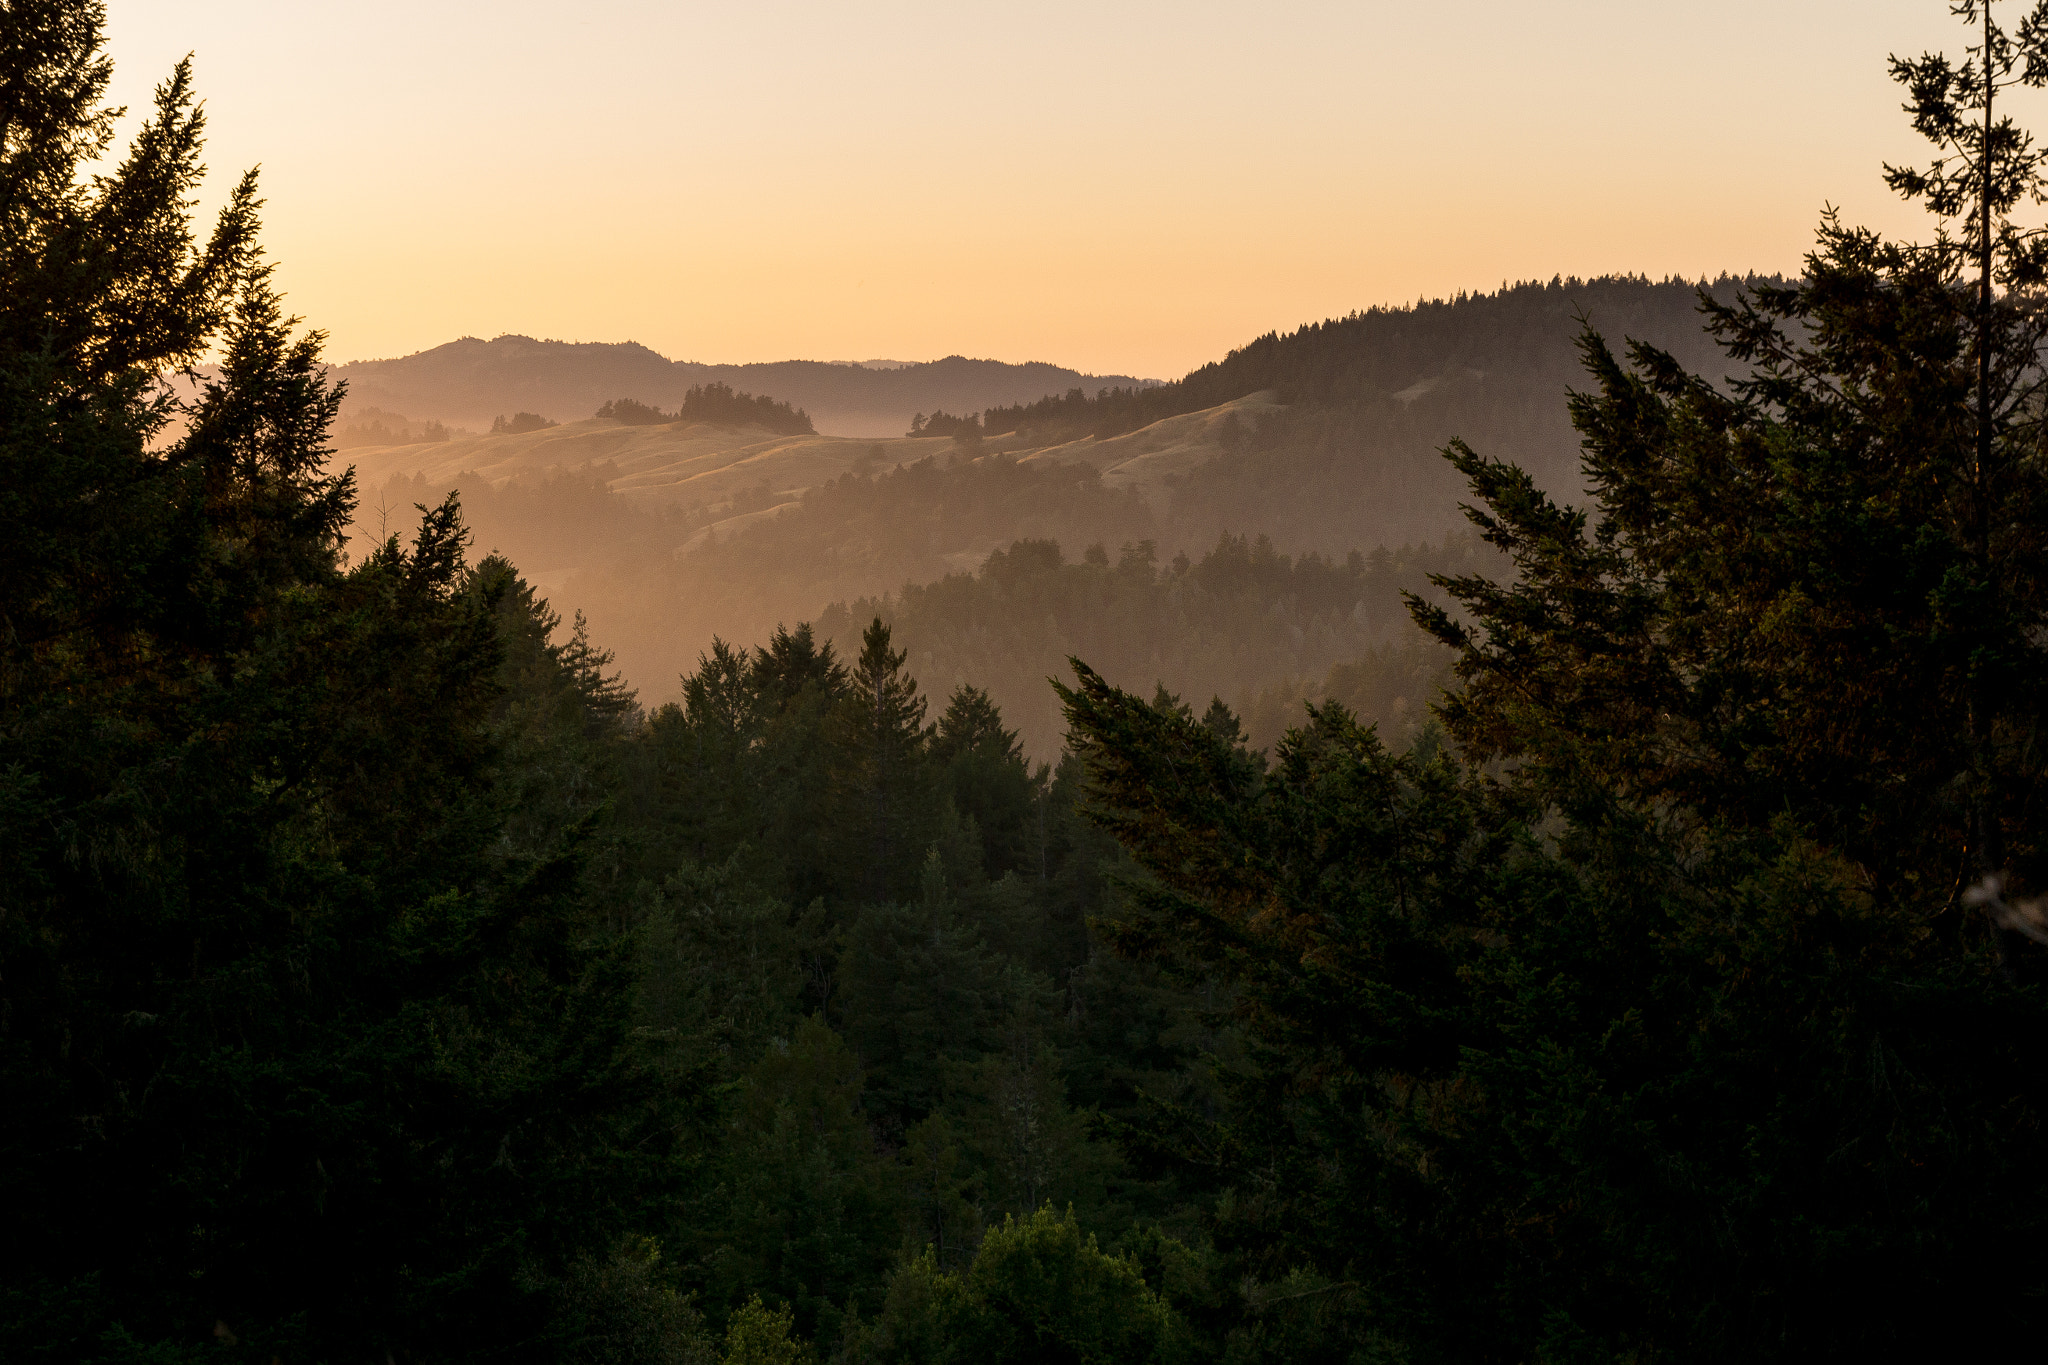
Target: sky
(1119, 186)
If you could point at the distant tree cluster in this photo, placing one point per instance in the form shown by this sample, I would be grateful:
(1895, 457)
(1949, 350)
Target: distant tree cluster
(630, 412)
(519, 423)
(716, 405)
(376, 427)
(1075, 414)
(944, 424)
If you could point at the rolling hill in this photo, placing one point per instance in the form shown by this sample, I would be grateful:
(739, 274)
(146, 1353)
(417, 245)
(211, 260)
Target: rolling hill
(1324, 441)
(470, 381)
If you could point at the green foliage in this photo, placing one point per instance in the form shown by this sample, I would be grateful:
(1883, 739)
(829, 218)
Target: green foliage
(519, 423)
(1038, 1290)
(1242, 621)
(937, 1080)
(1819, 596)
(310, 1046)
(760, 1335)
(808, 1205)
(918, 987)
(1654, 1025)
(625, 1310)
(882, 719)
(1029, 1145)
(721, 964)
(985, 773)
(1499, 1098)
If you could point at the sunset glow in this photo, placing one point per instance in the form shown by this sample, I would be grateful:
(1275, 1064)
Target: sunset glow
(1127, 188)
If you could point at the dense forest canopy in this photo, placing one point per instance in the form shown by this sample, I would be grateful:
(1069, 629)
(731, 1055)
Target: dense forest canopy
(381, 978)
(1245, 623)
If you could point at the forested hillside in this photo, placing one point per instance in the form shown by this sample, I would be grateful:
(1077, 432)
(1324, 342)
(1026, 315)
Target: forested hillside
(382, 978)
(1075, 568)
(1244, 624)
(1325, 441)
(1520, 334)
(1368, 399)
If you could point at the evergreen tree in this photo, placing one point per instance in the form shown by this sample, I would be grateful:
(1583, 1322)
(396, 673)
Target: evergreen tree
(1038, 1290)
(884, 783)
(1657, 1026)
(709, 757)
(1820, 596)
(801, 687)
(300, 1053)
(982, 767)
(807, 1204)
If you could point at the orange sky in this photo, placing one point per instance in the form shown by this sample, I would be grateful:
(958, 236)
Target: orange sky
(1118, 186)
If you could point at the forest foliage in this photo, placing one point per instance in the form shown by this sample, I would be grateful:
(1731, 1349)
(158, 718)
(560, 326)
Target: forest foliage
(380, 979)
(656, 581)
(1262, 630)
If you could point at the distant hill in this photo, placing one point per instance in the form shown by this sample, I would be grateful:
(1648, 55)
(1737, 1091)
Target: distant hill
(1349, 456)
(469, 382)
(1325, 440)
(1520, 337)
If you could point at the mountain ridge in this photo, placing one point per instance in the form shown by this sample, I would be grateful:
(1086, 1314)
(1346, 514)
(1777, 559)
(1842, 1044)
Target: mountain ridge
(469, 381)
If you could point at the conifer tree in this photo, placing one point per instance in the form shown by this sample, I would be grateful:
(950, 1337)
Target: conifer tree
(982, 766)
(300, 1055)
(711, 759)
(1821, 594)
(1658, 1024)
(886, 750)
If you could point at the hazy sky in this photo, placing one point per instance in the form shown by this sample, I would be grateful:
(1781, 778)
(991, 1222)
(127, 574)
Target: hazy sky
(1118, 186)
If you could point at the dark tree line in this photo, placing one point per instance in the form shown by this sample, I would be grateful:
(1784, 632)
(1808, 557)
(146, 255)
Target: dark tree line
(716, 404)
(941, 423)
(1379, 352)
(303, 1054)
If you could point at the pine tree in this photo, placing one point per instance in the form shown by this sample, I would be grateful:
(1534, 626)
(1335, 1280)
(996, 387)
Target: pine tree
(885, 737)
(1821, 595)
(1657, 1024)
(992, 790)
(297, 1048)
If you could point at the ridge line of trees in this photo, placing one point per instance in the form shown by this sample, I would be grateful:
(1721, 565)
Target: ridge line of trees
(716, 404)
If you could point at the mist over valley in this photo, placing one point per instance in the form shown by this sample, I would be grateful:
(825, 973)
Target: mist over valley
(1316, 450)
